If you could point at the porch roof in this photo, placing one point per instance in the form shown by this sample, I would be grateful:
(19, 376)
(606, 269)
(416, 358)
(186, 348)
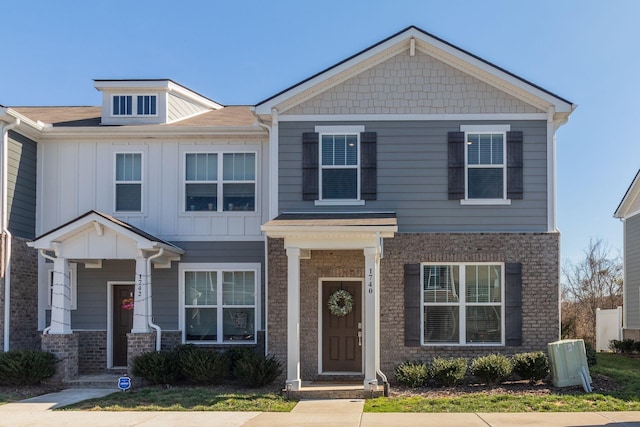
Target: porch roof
(292, 223)
(96, 235)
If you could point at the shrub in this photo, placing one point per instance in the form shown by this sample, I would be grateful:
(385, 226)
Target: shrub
(26, 367)
(448, 371)
(492, 369)
(412, 374)
(531, 366)
(157, 367)
(627, 345)
(235, 354)
(203, 366)
(255, 370)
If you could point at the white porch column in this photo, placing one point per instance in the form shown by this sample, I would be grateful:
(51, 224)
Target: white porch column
(61, 298)
(371, 317)
(293, 318)
(140, 295)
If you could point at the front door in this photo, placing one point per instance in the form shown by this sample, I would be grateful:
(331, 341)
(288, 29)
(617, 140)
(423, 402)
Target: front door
(341, 335)
(122, 322)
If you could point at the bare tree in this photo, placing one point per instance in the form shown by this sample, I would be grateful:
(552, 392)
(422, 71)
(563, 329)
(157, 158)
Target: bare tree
(595, 282)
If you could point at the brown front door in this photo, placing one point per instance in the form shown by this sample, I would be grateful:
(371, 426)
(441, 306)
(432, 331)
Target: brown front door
(341, 346)
(122, 322)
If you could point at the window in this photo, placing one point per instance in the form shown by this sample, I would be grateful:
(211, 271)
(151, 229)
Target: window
(236, 174)
(486, 172)
(486, 165)
(122, 105)
(462, 304)
(128, 182)
(51, 277)
(339, 166)
(219, 303)
(145, 105)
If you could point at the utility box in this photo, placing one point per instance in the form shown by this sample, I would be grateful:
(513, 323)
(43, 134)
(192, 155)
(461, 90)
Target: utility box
(568, 360)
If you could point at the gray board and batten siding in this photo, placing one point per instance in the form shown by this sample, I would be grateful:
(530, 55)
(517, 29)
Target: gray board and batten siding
(22, 185)
(91, 313)
(412, 177)
(632, 272)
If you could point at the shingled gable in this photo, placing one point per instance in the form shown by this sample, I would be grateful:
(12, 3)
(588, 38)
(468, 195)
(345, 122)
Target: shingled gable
(413, 39)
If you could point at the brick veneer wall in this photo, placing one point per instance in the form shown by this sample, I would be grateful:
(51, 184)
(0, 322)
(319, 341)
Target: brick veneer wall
(538, 253)
(24, 296)
(92, 355)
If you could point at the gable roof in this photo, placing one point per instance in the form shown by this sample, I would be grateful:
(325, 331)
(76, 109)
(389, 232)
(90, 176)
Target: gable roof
(629, 203)
(415, 38)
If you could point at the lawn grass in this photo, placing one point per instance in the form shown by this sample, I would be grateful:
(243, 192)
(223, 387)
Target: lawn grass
(186, 399)
(625, 371)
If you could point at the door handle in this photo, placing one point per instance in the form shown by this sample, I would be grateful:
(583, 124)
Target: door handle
(360, 338)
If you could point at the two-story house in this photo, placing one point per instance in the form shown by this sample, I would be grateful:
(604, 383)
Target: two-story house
(148, 220)
(397, 205)
(420, 179)
(627, 212)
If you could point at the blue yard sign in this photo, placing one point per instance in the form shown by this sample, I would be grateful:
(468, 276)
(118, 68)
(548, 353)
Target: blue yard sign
(124, 383)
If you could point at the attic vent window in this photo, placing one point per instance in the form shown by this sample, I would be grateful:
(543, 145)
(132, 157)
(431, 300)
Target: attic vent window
(145, 105)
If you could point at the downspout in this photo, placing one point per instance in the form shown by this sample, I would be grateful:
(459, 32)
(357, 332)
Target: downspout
(5, 230)
(43, 252)
(266, 251)
(149, 302)
(385, 381)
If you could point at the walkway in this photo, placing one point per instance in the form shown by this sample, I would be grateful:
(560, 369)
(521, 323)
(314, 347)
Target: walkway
(339, 413)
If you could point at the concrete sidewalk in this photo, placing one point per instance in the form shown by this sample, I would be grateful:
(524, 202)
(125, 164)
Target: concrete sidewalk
(339, 412)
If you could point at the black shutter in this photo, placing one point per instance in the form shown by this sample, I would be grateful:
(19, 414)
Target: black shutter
(412, 305)
(310, 150)
(368, 166)
(513, 303)
(515, 189)
(456, 165)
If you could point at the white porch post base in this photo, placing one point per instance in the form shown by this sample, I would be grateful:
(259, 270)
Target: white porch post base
(294, 385)
(293, 318)
(370, 384)
(141, 293)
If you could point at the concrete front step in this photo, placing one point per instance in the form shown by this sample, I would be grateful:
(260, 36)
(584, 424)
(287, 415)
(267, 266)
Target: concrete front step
(332, 390)
(100, 381)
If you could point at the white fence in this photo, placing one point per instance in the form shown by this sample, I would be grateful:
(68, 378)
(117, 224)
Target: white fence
(608, 327)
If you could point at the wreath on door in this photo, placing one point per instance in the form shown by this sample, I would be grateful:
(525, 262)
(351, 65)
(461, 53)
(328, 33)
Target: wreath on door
(340, 303)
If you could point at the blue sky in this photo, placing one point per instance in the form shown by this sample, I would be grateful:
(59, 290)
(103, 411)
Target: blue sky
(241, 52)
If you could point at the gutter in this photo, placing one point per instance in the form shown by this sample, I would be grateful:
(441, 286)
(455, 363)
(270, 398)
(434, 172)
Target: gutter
(5, 230)
(150, 302)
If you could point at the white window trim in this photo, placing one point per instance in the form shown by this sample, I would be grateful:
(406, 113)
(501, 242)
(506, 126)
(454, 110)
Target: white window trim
(134, 105)
(219, 268)
(339, 130)
(462, 304)
(219, 181)
(73, 281)
(116, 182)
(486, 129)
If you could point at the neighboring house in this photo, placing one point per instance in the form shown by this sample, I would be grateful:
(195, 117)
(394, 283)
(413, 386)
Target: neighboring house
(627, 212)
(420, 179)
(413, 176)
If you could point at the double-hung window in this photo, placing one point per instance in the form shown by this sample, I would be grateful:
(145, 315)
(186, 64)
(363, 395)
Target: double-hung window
(219, 303)
(128, 182)
(486, 161)
(123, 105)
(462, 304)
(226, 177)
(340, 166)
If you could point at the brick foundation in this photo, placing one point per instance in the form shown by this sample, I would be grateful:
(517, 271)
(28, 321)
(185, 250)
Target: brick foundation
(538, 253)
(92, 356)
(138, 344)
